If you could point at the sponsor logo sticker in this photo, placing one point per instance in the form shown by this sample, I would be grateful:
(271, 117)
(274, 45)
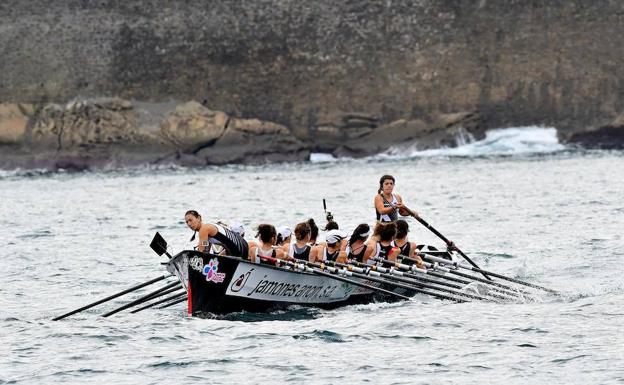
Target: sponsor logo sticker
(197, 263)
(347, 288)
(239, 283)
(211, 271)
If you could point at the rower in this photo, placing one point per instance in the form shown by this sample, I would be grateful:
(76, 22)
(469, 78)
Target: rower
(331, 225)
(284, 235)
(215, 234)
(314, 231)
(381, 244)
(267, 236)
(300, 249)
(332, 251)
(389, 206)
(356, 246)
(407, 248)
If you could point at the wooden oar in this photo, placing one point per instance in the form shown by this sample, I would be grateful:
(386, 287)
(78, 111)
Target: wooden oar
(405, 270)
(478, 270)
(177, 301)
(398, 276)
(175, 296)
(435, 270)
(389, 283)
(411, 271)
(157, 293)
(448, 243)
(133, 288)
(440, 271)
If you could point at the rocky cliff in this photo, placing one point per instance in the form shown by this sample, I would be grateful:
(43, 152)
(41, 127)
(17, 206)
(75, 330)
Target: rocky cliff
(329, 73)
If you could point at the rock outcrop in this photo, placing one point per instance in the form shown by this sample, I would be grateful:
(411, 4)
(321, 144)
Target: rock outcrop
(607, 137)
(441, 131)
(110, 132)
(107, 132)
(86, 125)
(14, 120)
(202, 136)
(192, 126)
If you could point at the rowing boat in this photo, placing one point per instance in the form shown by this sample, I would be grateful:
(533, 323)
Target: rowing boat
(221, 284)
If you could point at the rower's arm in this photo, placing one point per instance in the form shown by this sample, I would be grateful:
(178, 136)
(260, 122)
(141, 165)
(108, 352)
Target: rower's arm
(414, 255)
(314, 253)
(370, 248)
(205, 232)
(279, 254)
(404, 210)
(394, 254)
(343, 245)
(379, 205)
(342, 257)
(252, 253)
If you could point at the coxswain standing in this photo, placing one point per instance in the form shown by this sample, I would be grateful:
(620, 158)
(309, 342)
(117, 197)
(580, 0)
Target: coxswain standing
(389, 206)
(215, 234)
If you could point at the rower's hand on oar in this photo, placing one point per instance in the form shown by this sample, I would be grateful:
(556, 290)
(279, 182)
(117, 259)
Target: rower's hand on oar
(404, 210)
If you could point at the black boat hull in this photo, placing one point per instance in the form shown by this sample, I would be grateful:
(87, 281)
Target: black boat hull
(221, 284)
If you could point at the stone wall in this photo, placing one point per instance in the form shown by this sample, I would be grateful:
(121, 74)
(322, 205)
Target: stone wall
(305, 64)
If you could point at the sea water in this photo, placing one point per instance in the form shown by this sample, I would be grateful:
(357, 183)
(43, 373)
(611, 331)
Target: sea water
(518, 203)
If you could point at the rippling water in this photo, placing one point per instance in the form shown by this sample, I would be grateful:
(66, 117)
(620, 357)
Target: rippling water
(555, 219)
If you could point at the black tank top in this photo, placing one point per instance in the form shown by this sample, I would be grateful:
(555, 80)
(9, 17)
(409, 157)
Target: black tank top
(359, 257)
(392, 215)
(405, 249)
(384, 251)
(234, 244)
(302, 254)
(330, 257)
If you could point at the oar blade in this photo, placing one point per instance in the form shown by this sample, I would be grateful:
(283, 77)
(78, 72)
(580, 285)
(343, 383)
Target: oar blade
(158, 244)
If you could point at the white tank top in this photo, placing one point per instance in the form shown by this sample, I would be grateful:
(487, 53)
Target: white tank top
(263, 253)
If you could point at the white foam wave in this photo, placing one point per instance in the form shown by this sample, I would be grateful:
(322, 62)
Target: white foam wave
(321, 157)
(507, 141)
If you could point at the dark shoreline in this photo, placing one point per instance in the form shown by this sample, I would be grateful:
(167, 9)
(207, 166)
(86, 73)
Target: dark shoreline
(112, 132)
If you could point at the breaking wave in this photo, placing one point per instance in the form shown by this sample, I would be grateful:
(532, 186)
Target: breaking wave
(321, 157)
(531, 140)
(507, 141)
